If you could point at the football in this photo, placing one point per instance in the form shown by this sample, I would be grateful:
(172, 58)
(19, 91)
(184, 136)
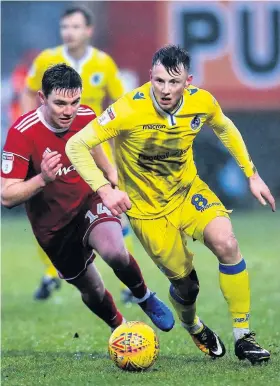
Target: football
(134, 346)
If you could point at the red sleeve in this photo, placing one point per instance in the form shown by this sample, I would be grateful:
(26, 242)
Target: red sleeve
(16, 155)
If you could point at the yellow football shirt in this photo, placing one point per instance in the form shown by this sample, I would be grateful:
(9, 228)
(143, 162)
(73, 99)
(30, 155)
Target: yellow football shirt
(154, 149)
(97, 69)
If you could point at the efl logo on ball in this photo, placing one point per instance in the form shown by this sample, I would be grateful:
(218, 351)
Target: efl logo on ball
(134, 346)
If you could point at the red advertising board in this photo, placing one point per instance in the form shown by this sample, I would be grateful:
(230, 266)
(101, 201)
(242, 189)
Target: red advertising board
(234, 45)
(235, 48)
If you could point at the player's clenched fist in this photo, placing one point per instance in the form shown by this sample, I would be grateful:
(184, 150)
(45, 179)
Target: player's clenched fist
(50, 166)
(115, 200)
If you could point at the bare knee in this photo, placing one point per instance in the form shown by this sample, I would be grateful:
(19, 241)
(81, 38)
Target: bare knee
(115, 256)
(220, 239)
(106, 238)
(90, 297)
(225, 247)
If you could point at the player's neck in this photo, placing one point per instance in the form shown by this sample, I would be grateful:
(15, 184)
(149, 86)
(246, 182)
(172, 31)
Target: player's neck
(175, 108)
(78, 53)
(161, 109)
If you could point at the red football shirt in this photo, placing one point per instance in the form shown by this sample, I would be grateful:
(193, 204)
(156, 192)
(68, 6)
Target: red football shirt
(27, 140)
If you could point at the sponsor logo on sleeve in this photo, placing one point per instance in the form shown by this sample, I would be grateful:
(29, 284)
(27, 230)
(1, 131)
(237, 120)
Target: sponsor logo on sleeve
(111, 113)
(139, 95)
(107, 116)
(192, 90)
(7, 162)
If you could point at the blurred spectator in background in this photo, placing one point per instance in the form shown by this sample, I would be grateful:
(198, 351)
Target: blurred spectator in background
(18, 78)
(101, 80)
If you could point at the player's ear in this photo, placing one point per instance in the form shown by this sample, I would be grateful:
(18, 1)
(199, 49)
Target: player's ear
(189, 80)
(41, 97)
(150, 74)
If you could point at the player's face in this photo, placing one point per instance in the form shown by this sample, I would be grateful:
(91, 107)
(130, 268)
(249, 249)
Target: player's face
(60, 107)
(168, 88)
(74, 31)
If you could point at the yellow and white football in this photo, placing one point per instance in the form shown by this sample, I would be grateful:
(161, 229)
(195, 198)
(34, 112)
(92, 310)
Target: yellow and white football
(134, 346)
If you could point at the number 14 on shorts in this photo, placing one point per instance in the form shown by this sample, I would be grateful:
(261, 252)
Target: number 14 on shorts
(101, 209)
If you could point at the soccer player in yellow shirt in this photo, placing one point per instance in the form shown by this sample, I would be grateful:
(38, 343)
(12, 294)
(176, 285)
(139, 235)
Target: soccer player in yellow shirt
(101, 79)
(154, 128)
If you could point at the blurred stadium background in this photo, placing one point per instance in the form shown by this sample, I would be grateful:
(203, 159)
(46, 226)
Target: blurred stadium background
(235, 48)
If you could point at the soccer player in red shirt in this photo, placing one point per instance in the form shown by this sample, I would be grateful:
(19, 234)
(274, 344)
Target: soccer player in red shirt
(67, 218)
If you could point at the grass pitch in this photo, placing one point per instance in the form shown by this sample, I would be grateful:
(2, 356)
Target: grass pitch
(38, 344)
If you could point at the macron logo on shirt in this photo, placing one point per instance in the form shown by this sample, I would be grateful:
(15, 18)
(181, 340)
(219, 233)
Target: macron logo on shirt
(65, 170)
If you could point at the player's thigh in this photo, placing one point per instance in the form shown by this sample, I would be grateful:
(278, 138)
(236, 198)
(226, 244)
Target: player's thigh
(67, 253)
(103, 232)
(69, 249)
(97, 224)
(218, 229)
(107, 240)
(199, 209)
(164, 244)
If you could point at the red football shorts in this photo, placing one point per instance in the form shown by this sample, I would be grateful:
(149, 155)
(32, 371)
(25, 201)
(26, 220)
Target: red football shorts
(68, 248)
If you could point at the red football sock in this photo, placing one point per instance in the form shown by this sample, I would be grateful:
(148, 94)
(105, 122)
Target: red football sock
(106, 310)
(132, 277)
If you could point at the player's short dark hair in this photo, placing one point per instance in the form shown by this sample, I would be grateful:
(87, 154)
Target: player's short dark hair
(171, 57)
(60, 77)
(88, 15)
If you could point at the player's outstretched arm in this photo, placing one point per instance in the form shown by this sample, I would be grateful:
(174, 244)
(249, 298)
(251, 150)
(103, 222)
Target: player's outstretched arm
(233, 141)
(17, 191)
(260, 190)
(78, 149)
(230, 136)
(102, 162)
(111, 123)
